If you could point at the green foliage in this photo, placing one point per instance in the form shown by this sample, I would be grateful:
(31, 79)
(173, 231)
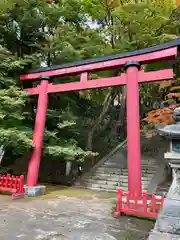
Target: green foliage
(56, 142)
(131, 24)
(31, 33)
(69, 151)
(13, 101)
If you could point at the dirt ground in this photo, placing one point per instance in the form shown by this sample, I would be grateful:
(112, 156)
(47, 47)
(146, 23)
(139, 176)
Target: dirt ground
(67, 214)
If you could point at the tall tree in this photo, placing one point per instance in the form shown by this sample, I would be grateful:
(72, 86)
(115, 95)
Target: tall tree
(129, 25)
(35, 33)
(14, 134)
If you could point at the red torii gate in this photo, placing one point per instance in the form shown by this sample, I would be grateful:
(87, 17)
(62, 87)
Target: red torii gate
(131, 62)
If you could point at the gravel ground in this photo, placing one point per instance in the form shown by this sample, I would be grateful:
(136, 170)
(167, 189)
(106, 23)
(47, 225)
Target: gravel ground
(62, 218)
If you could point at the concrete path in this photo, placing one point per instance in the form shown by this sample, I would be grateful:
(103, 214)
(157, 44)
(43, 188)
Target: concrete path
(62, 218)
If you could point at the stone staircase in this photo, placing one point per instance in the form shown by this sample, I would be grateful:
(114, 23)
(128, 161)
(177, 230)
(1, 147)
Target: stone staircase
(111, 172)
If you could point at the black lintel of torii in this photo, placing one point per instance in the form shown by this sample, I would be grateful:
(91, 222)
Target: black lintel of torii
(170, 44)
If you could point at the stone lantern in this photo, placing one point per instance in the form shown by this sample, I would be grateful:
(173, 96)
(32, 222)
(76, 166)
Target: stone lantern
(172, 133)
(168, 223)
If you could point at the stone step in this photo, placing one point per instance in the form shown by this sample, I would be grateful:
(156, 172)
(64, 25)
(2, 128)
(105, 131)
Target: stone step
(144, 167)
(122, 159)
(150, 166)
(161, 194)
(98, 188)
(108, 173)
(122, 170)
(162, 189)
(111, 183)
(165, 185)
(116, 177)
(108, 187)
(101, 187)
(117, 162)
(120, 182)
(116, 166)
(112, 173)
(104, 190)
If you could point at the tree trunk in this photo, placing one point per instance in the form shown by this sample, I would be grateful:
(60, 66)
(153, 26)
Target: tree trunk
(106, 105)
(123, 112)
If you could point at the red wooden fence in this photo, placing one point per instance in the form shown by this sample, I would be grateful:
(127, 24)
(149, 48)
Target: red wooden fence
(12, 184)
(143, 206)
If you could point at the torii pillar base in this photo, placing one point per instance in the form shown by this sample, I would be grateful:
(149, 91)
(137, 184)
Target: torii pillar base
(35, 190)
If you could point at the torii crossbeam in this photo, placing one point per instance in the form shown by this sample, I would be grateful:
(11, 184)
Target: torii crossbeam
(131, 62)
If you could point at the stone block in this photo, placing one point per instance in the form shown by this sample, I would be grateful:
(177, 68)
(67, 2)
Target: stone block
(168, 224)
(162, 236)
(171, 208)
(35, 191)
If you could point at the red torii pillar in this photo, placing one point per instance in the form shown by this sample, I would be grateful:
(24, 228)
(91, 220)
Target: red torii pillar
(133, 128)
(40, 122)
(131, 78)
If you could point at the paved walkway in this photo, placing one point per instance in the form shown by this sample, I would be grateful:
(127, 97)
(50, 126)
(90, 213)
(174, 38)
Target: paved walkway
(73, 218)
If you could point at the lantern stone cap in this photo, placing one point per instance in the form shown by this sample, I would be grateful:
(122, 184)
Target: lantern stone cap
(170, 131)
